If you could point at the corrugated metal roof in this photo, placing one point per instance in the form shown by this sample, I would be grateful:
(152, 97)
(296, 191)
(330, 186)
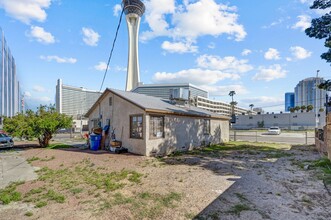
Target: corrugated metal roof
(150, 103)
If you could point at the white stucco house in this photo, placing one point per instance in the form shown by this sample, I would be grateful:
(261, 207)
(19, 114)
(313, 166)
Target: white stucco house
(153, 126)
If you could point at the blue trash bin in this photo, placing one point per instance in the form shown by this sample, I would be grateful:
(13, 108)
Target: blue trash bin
(95, 141)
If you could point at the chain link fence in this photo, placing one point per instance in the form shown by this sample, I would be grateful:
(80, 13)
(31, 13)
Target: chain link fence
(286, 137)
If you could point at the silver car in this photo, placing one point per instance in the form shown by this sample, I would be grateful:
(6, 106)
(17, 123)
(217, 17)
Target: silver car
(274, 130)
(6, 141)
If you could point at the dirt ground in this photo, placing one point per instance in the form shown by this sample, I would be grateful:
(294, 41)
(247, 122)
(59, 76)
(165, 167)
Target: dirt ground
(226, 184)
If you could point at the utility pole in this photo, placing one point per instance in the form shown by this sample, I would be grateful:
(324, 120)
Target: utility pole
(316, 109)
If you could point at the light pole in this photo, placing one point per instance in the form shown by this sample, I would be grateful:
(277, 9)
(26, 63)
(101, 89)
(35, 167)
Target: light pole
(316, 109)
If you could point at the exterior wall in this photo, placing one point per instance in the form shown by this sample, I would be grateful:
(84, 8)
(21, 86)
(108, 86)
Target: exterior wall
(302, 120)
(306, 94)
(119, 116)
(289, 101)
(163, 90)
(74, 101)
(219, 107)
(10, 98)
(185, 133)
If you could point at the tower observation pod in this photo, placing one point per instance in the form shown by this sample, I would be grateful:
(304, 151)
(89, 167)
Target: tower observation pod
(133, 10)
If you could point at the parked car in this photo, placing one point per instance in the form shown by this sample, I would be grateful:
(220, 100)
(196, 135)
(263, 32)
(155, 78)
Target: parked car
(274, 130)
(6, 141)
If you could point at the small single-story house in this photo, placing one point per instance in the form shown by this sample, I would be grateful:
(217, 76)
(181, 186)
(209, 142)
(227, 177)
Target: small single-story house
(153, 126)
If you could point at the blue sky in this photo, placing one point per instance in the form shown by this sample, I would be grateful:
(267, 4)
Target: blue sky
(257, 48)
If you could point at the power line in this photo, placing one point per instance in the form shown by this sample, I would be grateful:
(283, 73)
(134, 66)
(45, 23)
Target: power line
(112, 49)
(311, 100)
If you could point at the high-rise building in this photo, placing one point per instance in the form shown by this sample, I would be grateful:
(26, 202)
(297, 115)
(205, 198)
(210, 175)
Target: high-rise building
(74, 101)
(289, 101)
(10, 98)
(133, 10)
(196, 96)
(307, 93)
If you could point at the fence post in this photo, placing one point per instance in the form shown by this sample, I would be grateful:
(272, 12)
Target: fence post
(255, 136)
(306, 137)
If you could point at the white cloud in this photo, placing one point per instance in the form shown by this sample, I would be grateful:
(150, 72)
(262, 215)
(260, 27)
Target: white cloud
(39, 89)
(59, 59)
(117, 10)
(270, 73)
(26, 10)
(300, 53)
(44, 99)
(41, 35)
(227, 64)
(303, 23)
(272, 54)
(91, 38)
(179, 47)
(191, 20)
(224, 90)
(102, 66)
(246, 52)
(27, 94)
(195, 76)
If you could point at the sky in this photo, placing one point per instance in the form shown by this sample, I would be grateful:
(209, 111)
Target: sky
(257, 48)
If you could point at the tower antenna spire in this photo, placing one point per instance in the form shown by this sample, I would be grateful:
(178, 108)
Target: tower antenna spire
(133, 10)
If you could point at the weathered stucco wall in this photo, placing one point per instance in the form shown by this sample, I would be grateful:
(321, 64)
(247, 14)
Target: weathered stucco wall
(185, 133)
(119, 116)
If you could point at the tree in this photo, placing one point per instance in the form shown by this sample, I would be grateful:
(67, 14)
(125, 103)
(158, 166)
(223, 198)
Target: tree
(320, 27)
(41, 124)
(309, 108)
(303, 107)
(297, 108)
(232, 103)
(292, 109)
(325, 85)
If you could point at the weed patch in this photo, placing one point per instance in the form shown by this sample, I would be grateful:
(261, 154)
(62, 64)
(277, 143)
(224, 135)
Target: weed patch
(237, 209)
(9, 194)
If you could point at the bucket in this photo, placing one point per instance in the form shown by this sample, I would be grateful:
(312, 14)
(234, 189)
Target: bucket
(95, 142)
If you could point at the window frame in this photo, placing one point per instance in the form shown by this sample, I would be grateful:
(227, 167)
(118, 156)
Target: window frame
(151, 126)
(141, 126)
(206, 126)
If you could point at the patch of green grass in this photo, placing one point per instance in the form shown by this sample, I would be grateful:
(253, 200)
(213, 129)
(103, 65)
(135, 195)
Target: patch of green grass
(120, 199)
(241, 197)
(47, 159)
(58, 146)
(278, 154)
(9, 194)
(76, 190)
(40, 204)
(168, 200)
(31, 159)
(54, 196)
(29, 214)
(237, 209)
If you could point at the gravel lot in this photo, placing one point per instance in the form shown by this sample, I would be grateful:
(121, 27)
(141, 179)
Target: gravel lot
(238, 181)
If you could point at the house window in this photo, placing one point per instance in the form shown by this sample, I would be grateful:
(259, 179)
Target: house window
(156, 127)
(206, 126)
(110, 101)
(136, 126)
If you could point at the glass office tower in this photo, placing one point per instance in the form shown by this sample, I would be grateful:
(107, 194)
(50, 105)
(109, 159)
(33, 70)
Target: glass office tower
(10, 97)
(289, 101)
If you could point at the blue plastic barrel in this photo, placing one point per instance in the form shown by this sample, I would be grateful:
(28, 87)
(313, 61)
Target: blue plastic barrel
(95, 141)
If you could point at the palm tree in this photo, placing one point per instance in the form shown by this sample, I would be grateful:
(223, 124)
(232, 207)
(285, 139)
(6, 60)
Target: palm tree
(251, 106)
(232, 93)
(303, 107)
(309, 108)
(297, 108)
(232, 103)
